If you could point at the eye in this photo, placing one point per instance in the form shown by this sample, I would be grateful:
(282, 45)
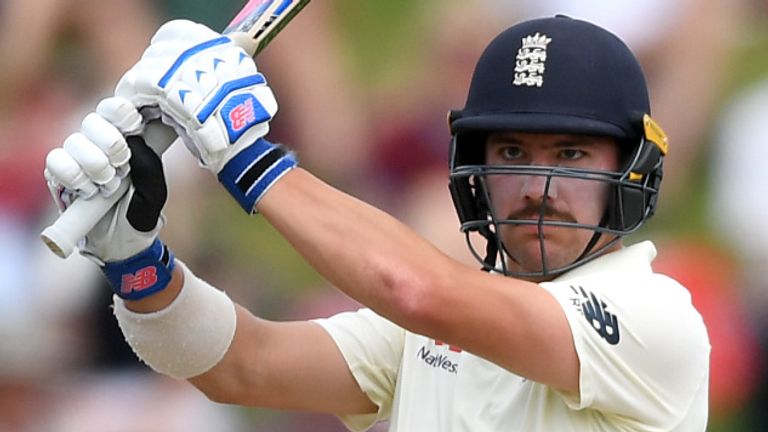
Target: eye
(510, 153)
(572, 154)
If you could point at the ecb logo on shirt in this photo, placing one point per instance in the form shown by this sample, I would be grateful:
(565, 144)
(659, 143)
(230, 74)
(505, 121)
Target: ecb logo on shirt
(596, 313)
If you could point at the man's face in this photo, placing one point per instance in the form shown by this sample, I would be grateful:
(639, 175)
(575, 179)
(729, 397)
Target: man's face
(567, 199)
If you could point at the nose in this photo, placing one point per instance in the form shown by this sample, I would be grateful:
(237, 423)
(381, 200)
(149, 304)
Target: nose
(537, 187)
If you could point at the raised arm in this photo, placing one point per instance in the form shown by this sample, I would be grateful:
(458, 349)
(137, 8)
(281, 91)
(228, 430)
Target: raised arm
(385, 265)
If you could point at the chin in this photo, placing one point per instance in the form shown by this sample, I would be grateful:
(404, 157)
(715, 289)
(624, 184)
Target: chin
(525, 252)
(530, 264)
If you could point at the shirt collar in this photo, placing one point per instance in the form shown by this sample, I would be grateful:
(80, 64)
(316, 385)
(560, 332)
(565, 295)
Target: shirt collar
(629, 259)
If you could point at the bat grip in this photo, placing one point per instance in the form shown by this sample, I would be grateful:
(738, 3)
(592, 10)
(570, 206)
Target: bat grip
(244, 41)
(81, 216)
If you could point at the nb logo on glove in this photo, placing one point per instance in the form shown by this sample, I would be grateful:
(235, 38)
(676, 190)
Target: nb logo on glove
(242, 115)
(241, 112)
(144, 278)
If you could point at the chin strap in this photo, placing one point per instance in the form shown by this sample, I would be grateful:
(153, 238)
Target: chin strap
(491, 249)
(593, 241)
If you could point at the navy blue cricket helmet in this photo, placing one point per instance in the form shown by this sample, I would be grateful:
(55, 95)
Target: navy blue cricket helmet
(566, 76)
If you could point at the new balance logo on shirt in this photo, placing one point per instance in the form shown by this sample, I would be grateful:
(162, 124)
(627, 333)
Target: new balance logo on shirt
(596, 312)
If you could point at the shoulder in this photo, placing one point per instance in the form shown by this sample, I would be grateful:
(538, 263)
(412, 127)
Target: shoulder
(669, 314)
(627, 279)
(642, 322)
(650, 304)
(647, 318)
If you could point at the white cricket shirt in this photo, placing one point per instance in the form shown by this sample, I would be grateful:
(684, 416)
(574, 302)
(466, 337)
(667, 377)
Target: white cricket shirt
(643, 352)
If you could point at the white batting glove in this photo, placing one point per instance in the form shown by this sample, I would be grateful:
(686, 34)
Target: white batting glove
(95, 161)
(210, 91)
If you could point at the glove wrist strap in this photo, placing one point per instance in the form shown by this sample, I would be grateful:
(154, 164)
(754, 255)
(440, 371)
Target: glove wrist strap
(143, 274)
(249, 174)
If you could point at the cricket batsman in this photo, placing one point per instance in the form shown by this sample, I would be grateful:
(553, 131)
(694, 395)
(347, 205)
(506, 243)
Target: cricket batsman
(554, 159)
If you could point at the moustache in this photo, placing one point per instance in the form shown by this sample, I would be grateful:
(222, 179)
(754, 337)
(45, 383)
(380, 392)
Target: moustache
(534, 211)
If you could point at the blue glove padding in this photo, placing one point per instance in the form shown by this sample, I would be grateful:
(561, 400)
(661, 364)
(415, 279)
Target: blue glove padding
(249, 174)
(209, 90)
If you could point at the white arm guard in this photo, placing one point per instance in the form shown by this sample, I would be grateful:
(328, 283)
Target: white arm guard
(189, 336)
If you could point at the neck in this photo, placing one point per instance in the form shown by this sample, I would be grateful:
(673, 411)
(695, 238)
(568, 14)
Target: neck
(605, 246)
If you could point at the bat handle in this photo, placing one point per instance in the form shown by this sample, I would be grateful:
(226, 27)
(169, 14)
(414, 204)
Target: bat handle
(81, 216)
(244, 41)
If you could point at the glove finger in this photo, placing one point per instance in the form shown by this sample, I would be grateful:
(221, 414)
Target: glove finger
(144, 83)
(183, 100)
(125, 88)
(62, 169)
(212, 68)
(147, 76)
(150, 189)
(121, 113)
(93, 161)
(245, 63)
(200, 75)
(140, 85)
(168, 60)
(162, 62)
(108, 138)
(164, 48)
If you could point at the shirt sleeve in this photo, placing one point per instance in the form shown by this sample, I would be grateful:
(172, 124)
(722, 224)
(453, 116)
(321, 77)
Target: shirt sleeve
(373, 348)
(643, 349)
